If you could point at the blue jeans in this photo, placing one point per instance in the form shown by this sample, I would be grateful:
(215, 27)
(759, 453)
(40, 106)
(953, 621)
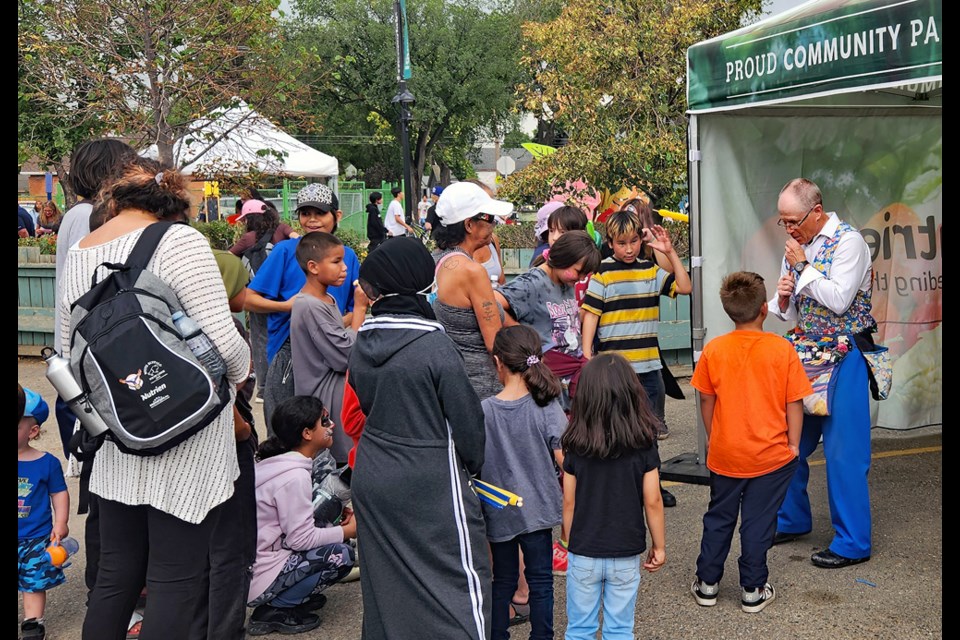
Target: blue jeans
(612, 582)
(652, 383)
(537, 547)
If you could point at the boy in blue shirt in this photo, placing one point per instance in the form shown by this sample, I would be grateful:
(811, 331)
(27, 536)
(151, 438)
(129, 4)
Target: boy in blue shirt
(39, 482)
(280, 279)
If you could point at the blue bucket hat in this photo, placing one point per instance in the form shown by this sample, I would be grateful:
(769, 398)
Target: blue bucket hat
(35, 406)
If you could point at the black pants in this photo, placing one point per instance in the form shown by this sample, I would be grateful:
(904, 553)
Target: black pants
(65, 423)
(233, 548)
(91, 540)
(141, 544)
(755, 501)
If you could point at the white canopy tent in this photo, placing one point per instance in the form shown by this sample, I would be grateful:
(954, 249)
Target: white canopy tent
(239, 140)
(846, 93)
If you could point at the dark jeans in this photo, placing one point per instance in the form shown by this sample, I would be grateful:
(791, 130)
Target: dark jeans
(537, 548)
(755, 501)
(652, 382)
(279, 385)
(233, 548)
(258, 349)
(141, 544)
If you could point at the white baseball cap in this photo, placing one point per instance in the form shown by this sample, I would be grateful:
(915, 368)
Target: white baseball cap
(464, 200)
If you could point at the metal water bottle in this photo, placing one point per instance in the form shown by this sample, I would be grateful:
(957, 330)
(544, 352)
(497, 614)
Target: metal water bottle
(61, 377)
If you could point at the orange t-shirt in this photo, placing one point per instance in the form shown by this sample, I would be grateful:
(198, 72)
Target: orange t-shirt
(754, 375)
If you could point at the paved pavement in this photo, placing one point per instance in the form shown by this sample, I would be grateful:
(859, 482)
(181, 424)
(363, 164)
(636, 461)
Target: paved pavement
(897, 595)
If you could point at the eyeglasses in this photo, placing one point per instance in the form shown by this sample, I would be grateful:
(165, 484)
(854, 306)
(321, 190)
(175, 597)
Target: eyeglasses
(790, 224)
(485, 217)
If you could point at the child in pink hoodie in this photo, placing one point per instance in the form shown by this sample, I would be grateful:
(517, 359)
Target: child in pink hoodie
(296, 560)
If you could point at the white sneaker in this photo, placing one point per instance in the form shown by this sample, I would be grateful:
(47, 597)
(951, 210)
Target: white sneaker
(353, 576)
(705, 594)
(754, 600)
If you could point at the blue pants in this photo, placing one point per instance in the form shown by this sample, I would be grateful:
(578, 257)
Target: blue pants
(537, 547)
(612, 582)
(756, 501)
(846, 447)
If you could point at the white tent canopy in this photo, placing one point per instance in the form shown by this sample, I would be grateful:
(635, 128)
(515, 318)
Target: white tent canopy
(239, 140)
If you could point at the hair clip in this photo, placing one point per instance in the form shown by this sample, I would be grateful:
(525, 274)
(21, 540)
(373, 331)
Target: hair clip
(158, 177)
(532, 360)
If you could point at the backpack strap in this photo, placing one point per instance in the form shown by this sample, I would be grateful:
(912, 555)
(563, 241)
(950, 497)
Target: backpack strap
(262, 241)
(147, 244)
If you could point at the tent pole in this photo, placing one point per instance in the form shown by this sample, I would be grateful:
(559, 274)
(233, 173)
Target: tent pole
(691, 467)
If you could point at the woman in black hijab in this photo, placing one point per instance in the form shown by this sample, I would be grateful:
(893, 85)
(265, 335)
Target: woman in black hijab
(426, 571)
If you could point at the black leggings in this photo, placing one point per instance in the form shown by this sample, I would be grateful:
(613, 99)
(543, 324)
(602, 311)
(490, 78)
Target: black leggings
(143, 545)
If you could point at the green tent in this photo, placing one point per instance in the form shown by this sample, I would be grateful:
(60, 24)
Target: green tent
(846, 93)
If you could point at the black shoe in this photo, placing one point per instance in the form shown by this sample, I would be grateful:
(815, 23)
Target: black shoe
(827, 559)
(314, 603)
(32, 629)
(267, 619)
(669, 500)
(781, 537)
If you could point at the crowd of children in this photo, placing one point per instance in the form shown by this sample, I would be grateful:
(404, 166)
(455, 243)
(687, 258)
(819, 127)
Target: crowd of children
(574, 429)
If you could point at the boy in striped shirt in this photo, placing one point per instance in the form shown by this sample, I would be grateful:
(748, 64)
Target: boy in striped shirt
(622, 304)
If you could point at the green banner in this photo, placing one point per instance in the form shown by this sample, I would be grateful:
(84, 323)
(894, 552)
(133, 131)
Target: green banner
(884, 175)
(834, 46)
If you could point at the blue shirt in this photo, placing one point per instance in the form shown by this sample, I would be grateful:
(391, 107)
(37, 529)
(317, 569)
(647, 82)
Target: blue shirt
(24, 221)
(280, 278)
(37, 480)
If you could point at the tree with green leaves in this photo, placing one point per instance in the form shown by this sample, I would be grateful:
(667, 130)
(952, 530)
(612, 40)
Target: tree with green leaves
(612, 76)
(148, 71)
(465, 67)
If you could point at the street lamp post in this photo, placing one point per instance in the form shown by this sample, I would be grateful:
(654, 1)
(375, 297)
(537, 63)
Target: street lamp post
(405, 100)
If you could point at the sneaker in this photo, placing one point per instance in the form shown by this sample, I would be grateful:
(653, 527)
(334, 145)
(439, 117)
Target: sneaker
(266, 619)
(135, 625)
(559, 559)
(259, 400)
(663, 433)
(669, 500)
(754, 600)
(32, 629)
(314, 602)
(705, 594)
(353, 576)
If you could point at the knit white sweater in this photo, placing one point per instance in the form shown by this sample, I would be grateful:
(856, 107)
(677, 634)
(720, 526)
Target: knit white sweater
(198, 474)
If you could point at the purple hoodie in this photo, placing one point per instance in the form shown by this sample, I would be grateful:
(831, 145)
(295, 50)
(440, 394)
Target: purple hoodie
(284, 517)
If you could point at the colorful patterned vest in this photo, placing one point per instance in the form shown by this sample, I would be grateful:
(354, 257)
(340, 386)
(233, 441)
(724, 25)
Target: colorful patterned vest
(816, 319)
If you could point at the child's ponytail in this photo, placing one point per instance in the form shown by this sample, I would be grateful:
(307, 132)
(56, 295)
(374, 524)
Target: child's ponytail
(288, 421)
(518, 348)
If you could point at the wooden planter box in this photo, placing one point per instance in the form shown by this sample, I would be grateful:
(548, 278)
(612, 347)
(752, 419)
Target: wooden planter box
(36, 301)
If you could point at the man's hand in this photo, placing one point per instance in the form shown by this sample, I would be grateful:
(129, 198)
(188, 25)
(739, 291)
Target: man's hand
(793, 252)
(785, 287)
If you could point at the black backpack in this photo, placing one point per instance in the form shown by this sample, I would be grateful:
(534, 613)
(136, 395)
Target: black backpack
(254, 257)
(130, 359)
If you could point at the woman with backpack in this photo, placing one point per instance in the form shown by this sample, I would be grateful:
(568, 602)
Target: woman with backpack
(154, 509)
(264, 231)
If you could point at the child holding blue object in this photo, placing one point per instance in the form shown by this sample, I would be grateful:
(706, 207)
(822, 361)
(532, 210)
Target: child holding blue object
(524, 423)
(280, 279)
(610, 483)
(39, 482)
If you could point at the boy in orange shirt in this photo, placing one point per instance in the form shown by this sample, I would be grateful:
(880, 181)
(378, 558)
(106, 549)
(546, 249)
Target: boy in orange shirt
(751, 388)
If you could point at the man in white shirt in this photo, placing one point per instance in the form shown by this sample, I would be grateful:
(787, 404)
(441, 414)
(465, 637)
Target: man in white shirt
(825, 286)
(394, 220)
(422, 207)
